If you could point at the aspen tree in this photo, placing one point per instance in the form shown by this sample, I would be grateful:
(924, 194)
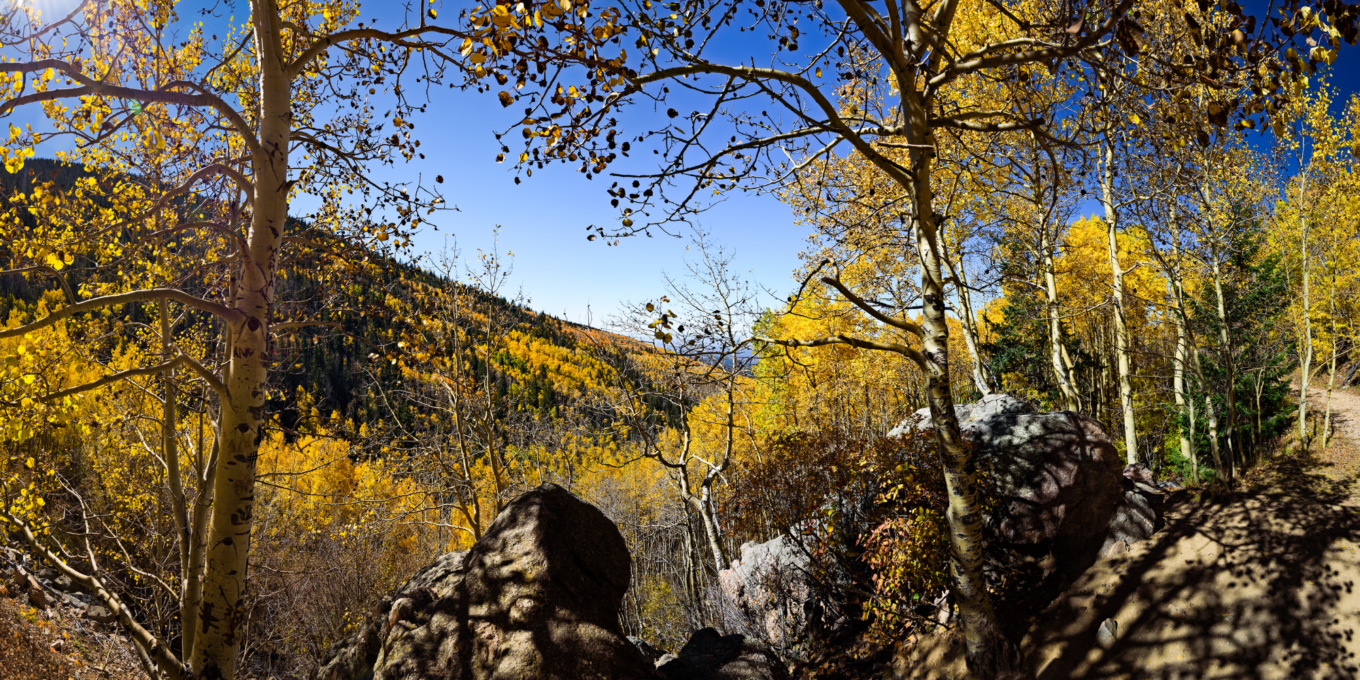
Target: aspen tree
(281, 105)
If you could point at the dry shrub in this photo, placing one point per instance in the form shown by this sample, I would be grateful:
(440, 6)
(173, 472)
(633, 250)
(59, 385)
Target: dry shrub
(870, 515)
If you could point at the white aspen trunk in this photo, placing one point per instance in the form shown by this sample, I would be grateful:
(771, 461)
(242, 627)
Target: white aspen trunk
(1214, 448)
(1121, 334)
(1178, 386)
(193, 573)
(1183, 326)
(174, 479)
(988, 651)
(221, 612)
(1176, 288)
(709, 522)
(1331, 373)
(1210, 416)
(1230, 396)
(970, 335)
(1307, 351)
(703, 502)
(1057, 353)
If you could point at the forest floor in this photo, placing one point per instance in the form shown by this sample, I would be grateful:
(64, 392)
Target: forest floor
(1263, 582)
(52, 644)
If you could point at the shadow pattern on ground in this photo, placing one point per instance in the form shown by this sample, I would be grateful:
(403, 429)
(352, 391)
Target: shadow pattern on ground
(1258, 584)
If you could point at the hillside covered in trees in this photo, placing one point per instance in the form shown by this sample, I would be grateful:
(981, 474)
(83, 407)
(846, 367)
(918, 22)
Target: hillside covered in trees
(1078, 281)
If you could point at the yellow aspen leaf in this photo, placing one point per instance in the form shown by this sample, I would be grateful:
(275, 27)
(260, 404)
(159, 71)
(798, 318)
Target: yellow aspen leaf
(30, 462)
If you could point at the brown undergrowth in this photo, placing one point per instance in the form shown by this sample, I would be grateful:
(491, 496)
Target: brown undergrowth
(49, 645)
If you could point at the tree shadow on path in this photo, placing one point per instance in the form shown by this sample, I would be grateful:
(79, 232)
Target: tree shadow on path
(1258, 584)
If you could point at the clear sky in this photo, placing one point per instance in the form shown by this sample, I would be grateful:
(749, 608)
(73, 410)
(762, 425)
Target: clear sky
(543, 221)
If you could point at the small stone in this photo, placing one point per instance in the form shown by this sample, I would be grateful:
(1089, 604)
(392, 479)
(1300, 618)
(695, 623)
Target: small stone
(63, 583)
(1109, 629)
(99, 613)
(649, 651)
(46, 574)
(37, 598)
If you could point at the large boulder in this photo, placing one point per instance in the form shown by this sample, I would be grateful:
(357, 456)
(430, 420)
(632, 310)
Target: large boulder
(766, 591)
(1058, 475)
(967, 414)
(1062, 490)
(537, 596)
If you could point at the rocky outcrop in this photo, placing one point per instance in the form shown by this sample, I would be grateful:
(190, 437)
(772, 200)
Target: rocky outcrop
(766, 591)
(1058, 477)
(42, 587)
(1061, 491)
(1138, 514)
(536, 597)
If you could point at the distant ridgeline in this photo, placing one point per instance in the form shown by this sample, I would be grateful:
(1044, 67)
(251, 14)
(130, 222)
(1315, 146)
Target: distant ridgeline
(537, 364)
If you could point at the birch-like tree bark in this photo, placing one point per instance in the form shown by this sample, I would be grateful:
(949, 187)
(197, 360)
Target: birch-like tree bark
(1306, 352)
(1117, 271)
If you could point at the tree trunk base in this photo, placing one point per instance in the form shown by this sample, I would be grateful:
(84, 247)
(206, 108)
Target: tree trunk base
(996, 658)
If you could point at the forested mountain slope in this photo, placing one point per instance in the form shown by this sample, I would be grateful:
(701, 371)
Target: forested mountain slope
(537, 363)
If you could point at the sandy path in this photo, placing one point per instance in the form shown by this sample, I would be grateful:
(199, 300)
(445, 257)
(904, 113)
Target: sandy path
(1264, 585)
(1345, 410)
(1260, 587)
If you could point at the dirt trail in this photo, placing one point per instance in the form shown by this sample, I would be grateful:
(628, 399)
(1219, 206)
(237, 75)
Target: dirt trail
(1264, 584)
(1345, 410)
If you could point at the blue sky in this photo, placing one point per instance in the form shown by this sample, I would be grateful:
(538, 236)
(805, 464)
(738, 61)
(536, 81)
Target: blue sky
(543, 221)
